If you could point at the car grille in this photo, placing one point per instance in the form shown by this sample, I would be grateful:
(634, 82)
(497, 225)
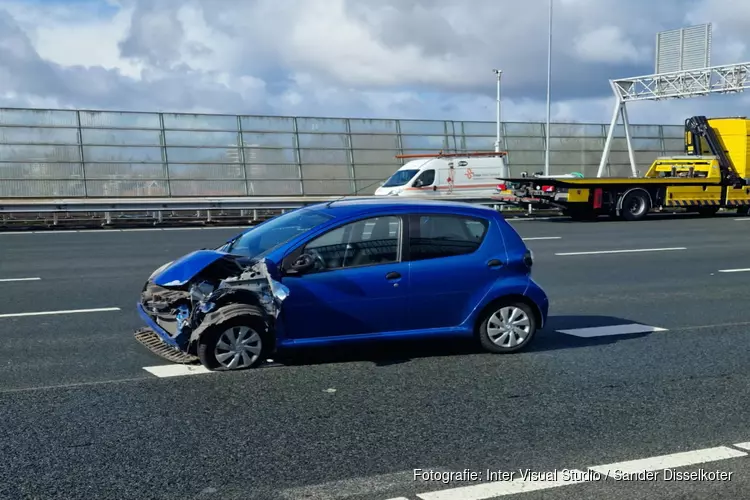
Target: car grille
(161, 304)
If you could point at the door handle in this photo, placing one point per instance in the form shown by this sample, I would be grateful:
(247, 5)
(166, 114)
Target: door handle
(393, 275)
(494, 263)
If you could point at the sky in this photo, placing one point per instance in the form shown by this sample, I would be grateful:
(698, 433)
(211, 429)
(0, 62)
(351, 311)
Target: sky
(418, 59)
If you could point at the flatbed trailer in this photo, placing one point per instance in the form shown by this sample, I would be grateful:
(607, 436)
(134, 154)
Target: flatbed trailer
(713, 174)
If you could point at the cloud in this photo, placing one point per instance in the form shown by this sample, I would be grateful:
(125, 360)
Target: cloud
(609, 45)
(391, 58)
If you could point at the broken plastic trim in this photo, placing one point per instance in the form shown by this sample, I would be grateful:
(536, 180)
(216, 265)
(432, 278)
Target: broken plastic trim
(210, 297)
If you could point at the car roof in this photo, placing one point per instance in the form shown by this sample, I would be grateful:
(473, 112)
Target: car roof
(346, 207)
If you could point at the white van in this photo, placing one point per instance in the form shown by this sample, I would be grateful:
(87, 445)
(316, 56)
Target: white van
(469, 174)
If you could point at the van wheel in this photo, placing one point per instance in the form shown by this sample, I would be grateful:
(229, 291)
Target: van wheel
(635, 205)
(507, 327)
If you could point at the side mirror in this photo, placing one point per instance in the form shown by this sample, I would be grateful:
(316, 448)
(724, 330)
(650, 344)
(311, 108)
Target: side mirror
(418, 183)
(303, 264)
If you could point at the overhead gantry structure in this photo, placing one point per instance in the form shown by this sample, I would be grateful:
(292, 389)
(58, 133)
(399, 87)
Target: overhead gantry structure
(687, 49)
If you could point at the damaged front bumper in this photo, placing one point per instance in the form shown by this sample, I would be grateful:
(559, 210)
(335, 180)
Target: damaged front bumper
(177, 314)
(156, 338)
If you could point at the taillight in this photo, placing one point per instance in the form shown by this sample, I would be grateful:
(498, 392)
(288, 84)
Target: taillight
(598, 198)
(548, 189)
(501, 187)
(528, 258)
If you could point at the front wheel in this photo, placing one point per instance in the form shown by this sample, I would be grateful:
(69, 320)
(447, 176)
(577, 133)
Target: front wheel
(236, 344)
(507, 327)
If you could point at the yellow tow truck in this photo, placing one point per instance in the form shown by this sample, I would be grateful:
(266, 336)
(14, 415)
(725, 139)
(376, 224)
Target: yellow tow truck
(713, 174)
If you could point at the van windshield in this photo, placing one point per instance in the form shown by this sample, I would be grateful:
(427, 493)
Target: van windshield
(400, 178)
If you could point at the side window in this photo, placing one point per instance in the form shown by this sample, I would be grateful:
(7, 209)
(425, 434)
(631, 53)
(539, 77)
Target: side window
(426, 178)
(361, 243)
(434, 236)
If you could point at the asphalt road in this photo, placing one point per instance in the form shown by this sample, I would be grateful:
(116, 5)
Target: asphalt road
(81, 417)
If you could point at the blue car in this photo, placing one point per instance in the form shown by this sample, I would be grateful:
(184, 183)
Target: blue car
(358, 269)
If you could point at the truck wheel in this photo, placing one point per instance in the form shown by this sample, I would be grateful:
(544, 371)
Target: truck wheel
(743, 210)
(708, 211)
(635, 205)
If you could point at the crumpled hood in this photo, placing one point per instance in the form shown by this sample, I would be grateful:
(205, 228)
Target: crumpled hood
(185, 268)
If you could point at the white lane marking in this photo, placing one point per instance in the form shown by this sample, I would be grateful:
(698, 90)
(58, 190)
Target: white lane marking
(606, 331)
(500, 488)
(636, 250)
(164, 371)
(68, 311)
(735, 270)
(348, 488)
(8, 280)
(574, 476)
(744, 446)
(75, 384)
(542, 238)
(125, 230)
(519, 219)
(671, 461)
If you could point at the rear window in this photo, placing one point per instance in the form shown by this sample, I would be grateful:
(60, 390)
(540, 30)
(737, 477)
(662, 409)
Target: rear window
(436, 236)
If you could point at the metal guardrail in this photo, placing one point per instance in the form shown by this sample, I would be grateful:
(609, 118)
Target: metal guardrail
(92, 205)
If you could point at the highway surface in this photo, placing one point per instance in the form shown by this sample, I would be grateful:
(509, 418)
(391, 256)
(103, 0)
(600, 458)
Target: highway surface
(81, 416)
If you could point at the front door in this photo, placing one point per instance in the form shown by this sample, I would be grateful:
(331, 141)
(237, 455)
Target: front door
(359, 285)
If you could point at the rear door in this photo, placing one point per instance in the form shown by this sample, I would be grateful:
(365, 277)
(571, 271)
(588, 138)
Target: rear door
(453, 260)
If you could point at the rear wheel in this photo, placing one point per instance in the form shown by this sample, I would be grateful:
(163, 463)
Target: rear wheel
(635, 205)
(507, 327)
(708, 211)
(236, 344)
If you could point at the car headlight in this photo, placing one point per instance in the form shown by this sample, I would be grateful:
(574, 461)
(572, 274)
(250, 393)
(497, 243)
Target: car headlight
(200, 291)
(160, 270)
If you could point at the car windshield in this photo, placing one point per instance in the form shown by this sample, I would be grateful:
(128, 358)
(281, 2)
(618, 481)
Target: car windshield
(277, 231)
(400, 178)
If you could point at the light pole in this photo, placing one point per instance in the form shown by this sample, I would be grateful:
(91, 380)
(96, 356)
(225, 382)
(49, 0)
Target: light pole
(499, 74)
(549, 82)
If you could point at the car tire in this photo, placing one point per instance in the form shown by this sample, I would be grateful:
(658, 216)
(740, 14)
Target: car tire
(239, 343)
(494, 335)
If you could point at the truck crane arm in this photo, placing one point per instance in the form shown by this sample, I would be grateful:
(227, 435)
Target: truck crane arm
(697, 127)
